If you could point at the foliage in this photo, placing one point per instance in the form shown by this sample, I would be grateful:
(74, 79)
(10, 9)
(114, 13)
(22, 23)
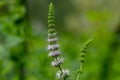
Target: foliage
(23, 54)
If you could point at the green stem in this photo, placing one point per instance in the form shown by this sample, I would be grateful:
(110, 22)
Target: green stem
(79, 72)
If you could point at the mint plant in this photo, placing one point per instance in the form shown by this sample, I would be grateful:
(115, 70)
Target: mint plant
(53, 48)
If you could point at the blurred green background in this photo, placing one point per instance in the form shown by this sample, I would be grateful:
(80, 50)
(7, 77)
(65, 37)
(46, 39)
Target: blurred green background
(23, 38)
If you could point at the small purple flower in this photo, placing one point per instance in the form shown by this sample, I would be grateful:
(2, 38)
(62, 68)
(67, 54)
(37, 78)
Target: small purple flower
(57, 62)
(64, 74)
(52, 40)
(53, 47)
(54, 53)
(58, 75)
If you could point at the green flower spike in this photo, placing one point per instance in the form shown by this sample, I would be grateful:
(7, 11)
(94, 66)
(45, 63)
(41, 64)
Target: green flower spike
(82, 56)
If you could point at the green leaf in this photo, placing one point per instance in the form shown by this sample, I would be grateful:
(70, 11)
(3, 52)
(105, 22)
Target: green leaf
(13, 41)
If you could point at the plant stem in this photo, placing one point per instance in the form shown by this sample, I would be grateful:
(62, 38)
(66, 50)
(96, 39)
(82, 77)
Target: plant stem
(79, 72)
